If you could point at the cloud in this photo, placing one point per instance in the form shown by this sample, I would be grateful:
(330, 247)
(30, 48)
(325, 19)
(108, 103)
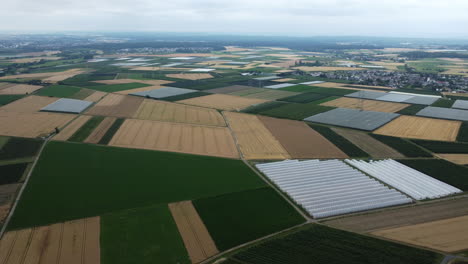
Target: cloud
(426, 18)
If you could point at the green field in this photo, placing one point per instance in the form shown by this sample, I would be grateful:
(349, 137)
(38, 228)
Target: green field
(236, 218)
(12, 173)
(411, 110)
(63, 91)
(304, 98)
(73, 180)
(16, 148)
(111, 131)
(463, 133)
(323, 245)
(403, 146)
(111, 88)
(442, 170)
(342, 143)
(6, 99)
(443, 103)
(85, 130)
(3, 141)
(184, 96)
(442, 146)
(255, 109)
(142, 235)
(296, 111)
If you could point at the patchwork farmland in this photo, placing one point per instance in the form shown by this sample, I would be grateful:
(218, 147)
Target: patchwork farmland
(233, 155)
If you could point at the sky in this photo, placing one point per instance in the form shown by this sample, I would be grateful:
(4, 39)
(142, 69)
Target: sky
(396, 18)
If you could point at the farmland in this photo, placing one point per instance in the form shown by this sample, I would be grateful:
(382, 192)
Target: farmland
(6, 99)
(255, 141)
(171, 112)
(443, 147)
(107, 169)
(345, 145)
(320, 244)
(70, 130)
(28, 104)
(19, 89)
(249, 215)
(449, 235)
(116, 105)
(299, 140)
(421, 128)
(176, 137)
(86, 129)
(12, 173)
(295, 111)
(142, 235)
(15, 148)
(63, 91)
(69, 242)
(368, 105)
(222, 101)
(403, 146)
(98, 133)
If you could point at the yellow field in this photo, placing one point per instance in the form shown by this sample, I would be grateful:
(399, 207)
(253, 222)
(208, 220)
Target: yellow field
(35, 59)
(31, 124)
(69, 130)
(122, 81)
(20, 89)
(29, 104)
(142, 89)
(388, 64)
(367, 105)
(96, 96)
(421, 128)
(176, 137)
(190, 76)
(461, 159)
(449, 235)
(50, 77)
(254, 139)
(222, 101)
(171, 112)
(284, 80)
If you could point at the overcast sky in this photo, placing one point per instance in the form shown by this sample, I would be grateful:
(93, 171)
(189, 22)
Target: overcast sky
(407, 18)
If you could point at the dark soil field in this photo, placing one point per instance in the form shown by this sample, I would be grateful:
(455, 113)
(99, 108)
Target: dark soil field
(12, 173)
(20, 148)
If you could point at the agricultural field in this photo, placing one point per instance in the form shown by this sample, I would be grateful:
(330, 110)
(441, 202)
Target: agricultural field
(249, 215)
(70, 130)
(98, 133)
(48, 77)
(255, 141)
(367, 105)
(108, 171)
(421, 128)
(19, 89)
(86, 129)
(323, 245)
(141, 235)
(28, 104)
(367, 143)
(399, 217)
(109, 134)
(300, 141)
(222, 102)
(176, 137)
(179, 113)
(17, 148)
(12, 173)
(295, 111)
(449, 235)
(61, 91)
(264, 94)
(197, 240)
(403, 146)
(463, 133)
(345, 145)
(69, 242)
(460, 159)
(111, 88)
(443, 147)
(304, 98)
(190, 76)
(6, 99)
(24, 124)
(116, 105)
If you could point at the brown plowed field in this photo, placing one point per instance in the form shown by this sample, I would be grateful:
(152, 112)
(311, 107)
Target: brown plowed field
(176, 137)
(222, 101)
(179, 113)
(122, 81)
(65, 243)
(301, 141)
(254, 139)
(461, 159)
(421, 128)
(69, 130)
(100, 130)
(369, 144)
(229, 89)
(31, 124)
(197, 239)
(29, 104)
(190, 76)
(367, 105)
(96, 96)
(392, 218)
(116, 105)
(449, 235)
(20, 89)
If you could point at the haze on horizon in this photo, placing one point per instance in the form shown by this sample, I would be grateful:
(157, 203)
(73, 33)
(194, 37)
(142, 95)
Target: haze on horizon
(397, 18)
